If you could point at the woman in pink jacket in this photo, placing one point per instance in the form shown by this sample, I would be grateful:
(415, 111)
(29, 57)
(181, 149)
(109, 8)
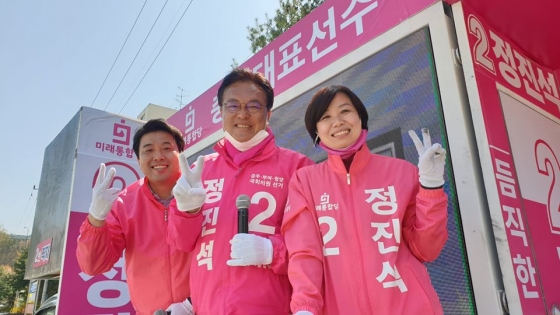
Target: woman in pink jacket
(359, 226)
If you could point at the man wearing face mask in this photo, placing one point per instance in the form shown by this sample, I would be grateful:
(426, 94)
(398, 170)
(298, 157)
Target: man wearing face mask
(235, 273)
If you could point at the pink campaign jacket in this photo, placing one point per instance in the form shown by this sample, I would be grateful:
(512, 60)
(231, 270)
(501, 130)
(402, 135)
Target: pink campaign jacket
(157, 273)
(216, 287)
(356, 241)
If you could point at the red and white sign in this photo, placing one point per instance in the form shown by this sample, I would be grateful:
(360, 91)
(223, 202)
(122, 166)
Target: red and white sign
(520, 107)
(42, 253)
(329, 32)
(104, 138)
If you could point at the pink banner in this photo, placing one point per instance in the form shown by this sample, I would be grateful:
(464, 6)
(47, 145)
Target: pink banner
(106, 138)
(83, 294)
(505, 63)
(106, 293)
(516, 135)
(331, 31)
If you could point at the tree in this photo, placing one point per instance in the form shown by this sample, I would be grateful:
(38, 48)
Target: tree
(15, 281)
(6, 248)
(5, 290)
(289, 13)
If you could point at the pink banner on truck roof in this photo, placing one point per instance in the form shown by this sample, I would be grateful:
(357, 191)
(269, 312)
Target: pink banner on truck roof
(332, 30)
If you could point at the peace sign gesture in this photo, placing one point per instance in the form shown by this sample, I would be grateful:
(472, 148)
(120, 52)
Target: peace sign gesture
(431, 159)
(103, 197)
(188, 191)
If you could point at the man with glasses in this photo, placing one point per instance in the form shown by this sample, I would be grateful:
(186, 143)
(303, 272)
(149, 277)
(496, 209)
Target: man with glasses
(233, 273)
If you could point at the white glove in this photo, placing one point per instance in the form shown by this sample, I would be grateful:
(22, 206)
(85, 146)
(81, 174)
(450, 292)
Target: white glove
(303, 313)
(182, 308)
(188, 190)
(250, 250)
(431, 159)
(103, 197)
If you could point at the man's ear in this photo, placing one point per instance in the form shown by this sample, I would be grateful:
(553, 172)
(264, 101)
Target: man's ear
(222, 117)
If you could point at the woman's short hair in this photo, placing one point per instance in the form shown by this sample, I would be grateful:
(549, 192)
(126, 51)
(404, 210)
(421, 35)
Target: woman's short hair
(320, 103)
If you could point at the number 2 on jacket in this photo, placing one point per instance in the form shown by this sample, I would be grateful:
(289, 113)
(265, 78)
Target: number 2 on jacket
(331, 222)
(256, 224)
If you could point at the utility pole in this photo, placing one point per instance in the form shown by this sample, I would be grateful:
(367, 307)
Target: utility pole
(180, 97)
(27, 235)
(26, 238)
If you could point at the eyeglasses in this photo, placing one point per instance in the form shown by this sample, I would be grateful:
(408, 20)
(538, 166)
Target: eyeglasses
(252, 107)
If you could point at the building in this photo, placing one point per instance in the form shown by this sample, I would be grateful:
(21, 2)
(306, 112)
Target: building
(155, 111)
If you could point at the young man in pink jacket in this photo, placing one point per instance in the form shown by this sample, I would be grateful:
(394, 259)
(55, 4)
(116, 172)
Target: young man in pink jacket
(359, 226)
(135, 219)
(231, 272)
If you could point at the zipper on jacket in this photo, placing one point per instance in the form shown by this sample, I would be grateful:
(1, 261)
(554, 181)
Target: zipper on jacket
(168, 256)
(366, 293)
(238, 171)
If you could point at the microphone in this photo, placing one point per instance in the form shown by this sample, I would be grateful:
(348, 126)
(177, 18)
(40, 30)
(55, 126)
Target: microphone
(242, 203)
(161, 312)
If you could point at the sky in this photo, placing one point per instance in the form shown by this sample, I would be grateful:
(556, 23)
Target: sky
(55, 56)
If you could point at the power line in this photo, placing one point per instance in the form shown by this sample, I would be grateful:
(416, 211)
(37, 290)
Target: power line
(103, 84)
(23, 214)
(137, 53)
(26, 221)
(157, 55)
(25, 210)
(151, 54)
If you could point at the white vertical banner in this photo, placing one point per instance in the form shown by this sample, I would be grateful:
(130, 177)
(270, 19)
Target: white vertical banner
(103, 138)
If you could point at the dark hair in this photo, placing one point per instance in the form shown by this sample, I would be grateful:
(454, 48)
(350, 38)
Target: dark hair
(154, 125)
(247, 75)
(320, 103)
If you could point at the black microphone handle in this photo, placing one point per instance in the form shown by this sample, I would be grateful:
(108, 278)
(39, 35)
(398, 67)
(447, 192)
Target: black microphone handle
(242, 220)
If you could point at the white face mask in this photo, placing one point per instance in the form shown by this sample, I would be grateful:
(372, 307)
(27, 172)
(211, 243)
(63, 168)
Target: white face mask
(244, 146)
